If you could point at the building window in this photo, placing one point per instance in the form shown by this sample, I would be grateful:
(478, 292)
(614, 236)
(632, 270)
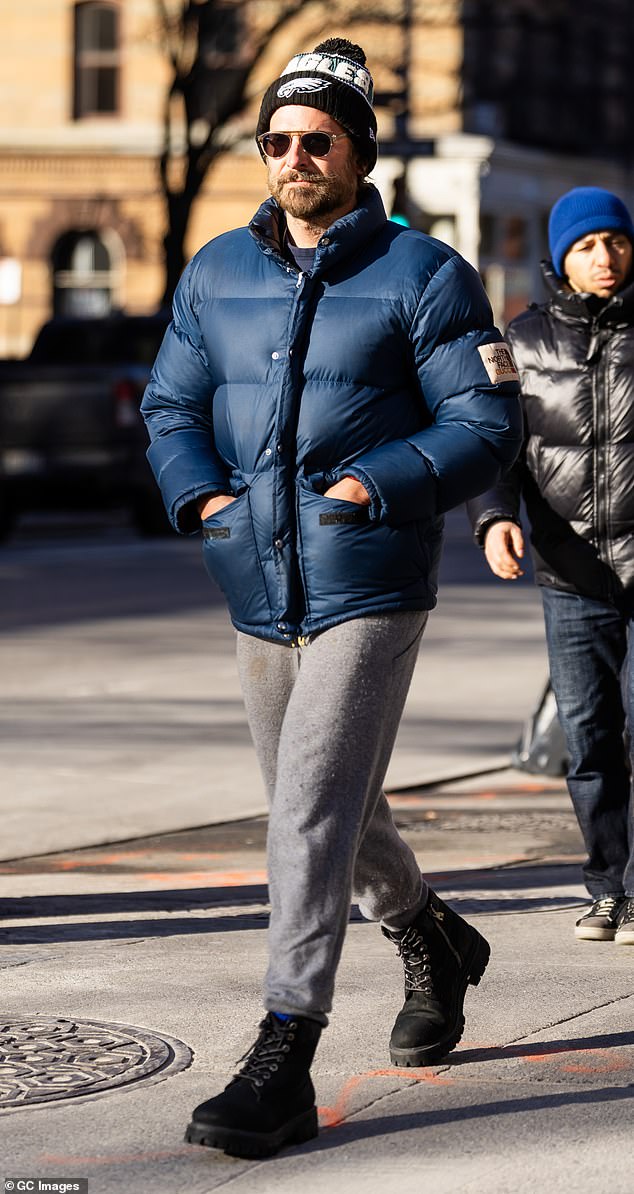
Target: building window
(83, 275)
(97, 60)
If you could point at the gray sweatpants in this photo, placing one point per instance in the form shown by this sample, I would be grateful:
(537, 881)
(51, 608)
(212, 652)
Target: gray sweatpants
(323, 720)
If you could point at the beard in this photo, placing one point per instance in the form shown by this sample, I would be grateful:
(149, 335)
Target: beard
(327, 193)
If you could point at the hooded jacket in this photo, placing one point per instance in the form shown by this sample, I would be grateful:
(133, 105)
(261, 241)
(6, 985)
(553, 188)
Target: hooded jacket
(575, 355)
(382, 363)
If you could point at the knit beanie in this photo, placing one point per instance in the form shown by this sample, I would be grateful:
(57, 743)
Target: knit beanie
(584, 210)
(334, 79)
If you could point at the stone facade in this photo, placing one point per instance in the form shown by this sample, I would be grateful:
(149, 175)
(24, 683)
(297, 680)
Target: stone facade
(62, 177)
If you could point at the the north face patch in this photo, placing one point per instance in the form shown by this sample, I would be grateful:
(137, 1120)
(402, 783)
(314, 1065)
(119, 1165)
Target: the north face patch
(498, 362)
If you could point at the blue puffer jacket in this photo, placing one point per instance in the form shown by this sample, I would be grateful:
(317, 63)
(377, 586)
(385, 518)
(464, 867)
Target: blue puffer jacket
(272, 385)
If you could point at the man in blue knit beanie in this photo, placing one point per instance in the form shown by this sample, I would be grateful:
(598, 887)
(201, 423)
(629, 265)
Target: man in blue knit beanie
(575, 355)
(583, 211)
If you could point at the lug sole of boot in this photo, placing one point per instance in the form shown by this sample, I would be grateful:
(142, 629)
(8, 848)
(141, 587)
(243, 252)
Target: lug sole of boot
(254, 1145)
(429, 1054)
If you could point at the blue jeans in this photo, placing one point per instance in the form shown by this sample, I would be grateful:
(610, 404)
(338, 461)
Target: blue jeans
(592, 676)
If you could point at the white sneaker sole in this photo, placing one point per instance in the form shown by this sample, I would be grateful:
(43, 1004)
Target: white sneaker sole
(624, 937)
(586, 933)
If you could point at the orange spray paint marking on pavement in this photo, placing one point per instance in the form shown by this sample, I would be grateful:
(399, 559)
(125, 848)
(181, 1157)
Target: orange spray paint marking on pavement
(123, 859)
(331, 1117)
(205, 878)
(606, 1066)
(608, 1060)
(115, 1158)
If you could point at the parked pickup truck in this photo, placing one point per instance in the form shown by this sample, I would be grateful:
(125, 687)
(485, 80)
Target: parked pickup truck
(71, 434)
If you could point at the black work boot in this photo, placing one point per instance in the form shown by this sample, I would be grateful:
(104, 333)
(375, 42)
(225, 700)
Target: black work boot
(441, 953)
(271, 1100)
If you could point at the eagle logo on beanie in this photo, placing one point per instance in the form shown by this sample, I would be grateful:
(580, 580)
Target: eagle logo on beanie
(302, 85)
(334, 79)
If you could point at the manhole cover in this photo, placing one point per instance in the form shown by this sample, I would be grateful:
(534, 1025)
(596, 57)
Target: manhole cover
(45, 1058)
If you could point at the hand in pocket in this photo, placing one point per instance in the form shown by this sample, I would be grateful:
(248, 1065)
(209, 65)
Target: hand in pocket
(349, 490)
(207, 507)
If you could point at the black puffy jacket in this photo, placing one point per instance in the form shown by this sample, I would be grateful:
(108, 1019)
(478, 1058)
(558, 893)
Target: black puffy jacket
(575, 356)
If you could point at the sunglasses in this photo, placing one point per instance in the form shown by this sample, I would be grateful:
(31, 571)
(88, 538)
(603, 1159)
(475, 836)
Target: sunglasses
(316, 145)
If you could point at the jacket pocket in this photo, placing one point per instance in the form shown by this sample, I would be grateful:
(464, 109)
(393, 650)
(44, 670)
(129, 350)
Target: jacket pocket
(231, 558)
(350, 562)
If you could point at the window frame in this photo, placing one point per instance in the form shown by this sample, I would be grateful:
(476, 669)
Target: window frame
(94, 60)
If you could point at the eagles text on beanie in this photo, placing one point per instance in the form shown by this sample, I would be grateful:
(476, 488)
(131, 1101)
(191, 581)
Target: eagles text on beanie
(581, 211)
(334, 79)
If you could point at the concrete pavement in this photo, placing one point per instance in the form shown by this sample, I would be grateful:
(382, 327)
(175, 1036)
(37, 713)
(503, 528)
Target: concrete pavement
(131, 974)
(157, 939)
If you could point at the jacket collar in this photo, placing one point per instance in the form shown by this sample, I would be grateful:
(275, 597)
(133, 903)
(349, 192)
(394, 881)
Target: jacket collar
(343, 238)
(587, 307)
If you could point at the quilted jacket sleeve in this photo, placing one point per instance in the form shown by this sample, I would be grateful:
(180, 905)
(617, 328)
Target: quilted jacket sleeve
(502, 501)
(476, 425)
(176, 407)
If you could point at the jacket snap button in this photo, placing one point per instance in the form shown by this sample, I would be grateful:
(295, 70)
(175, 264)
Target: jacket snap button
(325, 240)
(267, 452)
(279, 543)
(275, 356)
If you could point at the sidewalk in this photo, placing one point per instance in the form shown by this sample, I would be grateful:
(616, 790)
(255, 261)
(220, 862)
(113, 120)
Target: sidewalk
(142, 966)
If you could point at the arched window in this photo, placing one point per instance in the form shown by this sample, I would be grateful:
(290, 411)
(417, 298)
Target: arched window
(83, 275)
(97, 59)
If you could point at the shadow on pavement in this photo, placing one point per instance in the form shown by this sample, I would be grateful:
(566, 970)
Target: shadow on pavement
(112, 930)
(609, 1040)
(472, 883)
(340, 1135)
(132, 901)
(512, 877)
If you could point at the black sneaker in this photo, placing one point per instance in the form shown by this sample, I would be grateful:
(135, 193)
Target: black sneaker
(625, 923)
(271, 1100)
(441, 954)
(599, 922)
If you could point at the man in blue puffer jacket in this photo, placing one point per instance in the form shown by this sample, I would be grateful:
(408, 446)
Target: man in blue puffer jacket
(331, 383)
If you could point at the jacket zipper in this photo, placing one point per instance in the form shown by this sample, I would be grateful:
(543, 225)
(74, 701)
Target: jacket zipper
(282, 436)
(599, 399)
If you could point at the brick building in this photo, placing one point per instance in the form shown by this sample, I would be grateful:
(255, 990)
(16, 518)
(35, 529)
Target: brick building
(488, 110)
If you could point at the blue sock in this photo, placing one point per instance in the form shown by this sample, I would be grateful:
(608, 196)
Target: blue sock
(281, 1016)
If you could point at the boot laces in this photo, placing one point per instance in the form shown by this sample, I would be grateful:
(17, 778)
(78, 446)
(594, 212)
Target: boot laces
(269, 1051)
(416, 962)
